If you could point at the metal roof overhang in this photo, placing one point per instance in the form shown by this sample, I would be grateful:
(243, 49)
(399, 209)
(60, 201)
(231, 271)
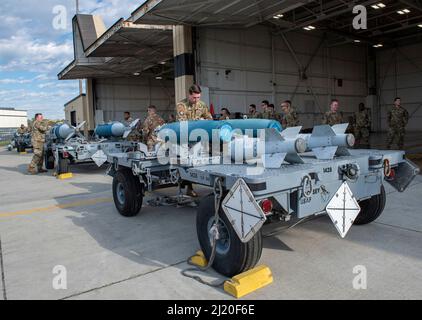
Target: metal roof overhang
(125, 39)
(101, 68)
(123, 51)
(241, 13)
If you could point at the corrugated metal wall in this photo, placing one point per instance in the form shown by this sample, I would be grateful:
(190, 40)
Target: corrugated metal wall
(116, 95)
(400, 74)
(237, 66)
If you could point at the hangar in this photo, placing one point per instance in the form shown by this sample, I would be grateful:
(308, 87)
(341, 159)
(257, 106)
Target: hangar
(245, 51)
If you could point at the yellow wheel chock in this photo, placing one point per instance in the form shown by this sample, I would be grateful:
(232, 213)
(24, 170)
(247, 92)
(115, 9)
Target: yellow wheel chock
(242, 284)
(248, 281)
(65, 176)
(199, 259)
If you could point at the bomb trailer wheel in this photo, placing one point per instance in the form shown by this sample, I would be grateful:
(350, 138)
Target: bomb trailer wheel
(62, 165)
(127, 193)
(49, 160)
(371, 208)
(232, 255)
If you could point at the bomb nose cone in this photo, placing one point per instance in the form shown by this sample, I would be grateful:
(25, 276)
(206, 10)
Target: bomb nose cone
(301, 145)
(350, 140)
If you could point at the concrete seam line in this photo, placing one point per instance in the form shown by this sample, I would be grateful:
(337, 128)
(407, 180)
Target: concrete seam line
(3, 279)
(121, 281)
(397, 227)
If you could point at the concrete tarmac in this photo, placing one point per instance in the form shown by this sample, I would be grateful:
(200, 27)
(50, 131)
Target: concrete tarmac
(50, 229)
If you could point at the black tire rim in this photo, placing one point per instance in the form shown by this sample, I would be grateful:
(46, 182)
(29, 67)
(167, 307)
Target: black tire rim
(120, 193)
(222, 244)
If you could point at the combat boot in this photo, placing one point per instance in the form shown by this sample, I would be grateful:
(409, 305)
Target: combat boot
(41, 170)
(191, 193)
(32, 171)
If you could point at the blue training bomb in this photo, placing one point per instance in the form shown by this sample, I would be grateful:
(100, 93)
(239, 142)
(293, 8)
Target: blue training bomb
(62, 131)
(225, 129)
(255, 124)
(190, 131)
(109, 130)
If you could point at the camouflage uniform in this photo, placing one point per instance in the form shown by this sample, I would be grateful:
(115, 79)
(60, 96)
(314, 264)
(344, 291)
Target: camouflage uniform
(186, 111)
(256, 115)
(290, 119)
(269, 115)
(362, 127)
(332, 118)
(135, 135)
(397, 121)
(22, 130)
(39, 129)
(149, 135)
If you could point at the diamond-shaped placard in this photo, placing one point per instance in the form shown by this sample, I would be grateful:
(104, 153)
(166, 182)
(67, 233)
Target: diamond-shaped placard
(243, 212)
(343, 209)
(99, 158)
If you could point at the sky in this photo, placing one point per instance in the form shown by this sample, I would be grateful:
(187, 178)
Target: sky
(35, 45)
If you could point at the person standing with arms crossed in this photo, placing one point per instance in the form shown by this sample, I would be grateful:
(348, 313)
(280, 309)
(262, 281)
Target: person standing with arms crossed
(398, 117)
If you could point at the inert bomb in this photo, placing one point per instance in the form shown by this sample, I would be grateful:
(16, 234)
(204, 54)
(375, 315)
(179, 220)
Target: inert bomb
(270, 147)
(62, 131)
(65, 131)
(114, 129)
(191, 131)
(254, 125)
(326, 142)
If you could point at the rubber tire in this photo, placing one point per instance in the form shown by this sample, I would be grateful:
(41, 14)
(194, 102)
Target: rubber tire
(63, 166)
(133, 193)
(240, 256)
(49, 160)
(371, 208)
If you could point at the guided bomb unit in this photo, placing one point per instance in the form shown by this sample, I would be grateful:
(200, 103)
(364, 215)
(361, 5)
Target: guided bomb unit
(259, 175)
(65, 145)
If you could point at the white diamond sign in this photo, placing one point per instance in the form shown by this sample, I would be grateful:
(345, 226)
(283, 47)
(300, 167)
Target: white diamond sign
(243, 212)
(343, 209)
(99, 158)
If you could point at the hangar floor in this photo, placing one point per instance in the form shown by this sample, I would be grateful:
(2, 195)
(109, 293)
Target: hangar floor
(45, 223)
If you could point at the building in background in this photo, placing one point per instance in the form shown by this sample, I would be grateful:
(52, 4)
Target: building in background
(10, 120)
(240, 53)
(76, 111)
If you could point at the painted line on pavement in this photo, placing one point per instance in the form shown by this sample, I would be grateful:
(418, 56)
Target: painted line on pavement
(81, 203)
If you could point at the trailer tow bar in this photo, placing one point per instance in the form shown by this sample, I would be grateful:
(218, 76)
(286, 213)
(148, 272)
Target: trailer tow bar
(218, 194)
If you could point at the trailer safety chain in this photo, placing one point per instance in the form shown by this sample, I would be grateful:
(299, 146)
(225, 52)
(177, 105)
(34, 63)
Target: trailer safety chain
(149, 179)
(174, 176)
(280, 230)
(218, 195)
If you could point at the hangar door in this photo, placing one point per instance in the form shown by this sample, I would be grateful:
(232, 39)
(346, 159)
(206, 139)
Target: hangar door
(113, 96)
(400, 75)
